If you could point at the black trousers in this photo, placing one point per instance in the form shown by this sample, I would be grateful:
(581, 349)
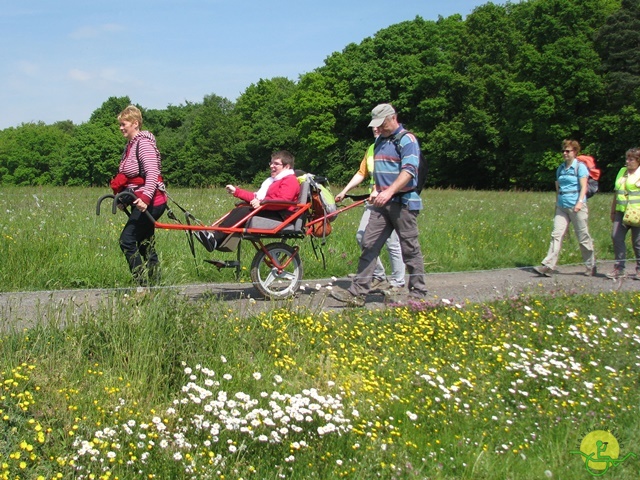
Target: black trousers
(137, 242)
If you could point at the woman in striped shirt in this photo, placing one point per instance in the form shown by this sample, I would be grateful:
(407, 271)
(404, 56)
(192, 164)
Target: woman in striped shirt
(139, 173)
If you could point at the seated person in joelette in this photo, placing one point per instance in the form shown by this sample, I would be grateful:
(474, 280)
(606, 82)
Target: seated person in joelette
(282, 185)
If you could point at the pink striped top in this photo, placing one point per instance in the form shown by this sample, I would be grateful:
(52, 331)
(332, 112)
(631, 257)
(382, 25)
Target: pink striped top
(141, 152)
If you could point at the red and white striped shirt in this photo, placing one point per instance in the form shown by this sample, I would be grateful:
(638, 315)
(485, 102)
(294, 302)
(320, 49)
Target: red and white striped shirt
(141, 159)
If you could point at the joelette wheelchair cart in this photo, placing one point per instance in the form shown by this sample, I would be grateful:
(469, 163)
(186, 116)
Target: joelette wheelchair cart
(276, 269)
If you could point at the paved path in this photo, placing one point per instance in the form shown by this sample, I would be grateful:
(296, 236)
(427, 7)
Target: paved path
(24, 309)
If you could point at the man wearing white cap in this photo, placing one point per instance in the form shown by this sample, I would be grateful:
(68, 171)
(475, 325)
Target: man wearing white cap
(396, 207)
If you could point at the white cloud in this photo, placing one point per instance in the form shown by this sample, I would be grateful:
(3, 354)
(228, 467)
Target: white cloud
(104, 76)
(92, 31)
(79, 75)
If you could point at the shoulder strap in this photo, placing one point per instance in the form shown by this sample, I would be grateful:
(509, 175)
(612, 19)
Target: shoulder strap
(141, 171)
(578, 169)
(633, 177)
(397, 138)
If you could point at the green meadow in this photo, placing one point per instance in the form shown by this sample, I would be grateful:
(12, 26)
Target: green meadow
(51, 238)
(159, 386)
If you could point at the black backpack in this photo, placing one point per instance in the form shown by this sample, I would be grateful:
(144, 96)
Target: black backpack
(422, 162)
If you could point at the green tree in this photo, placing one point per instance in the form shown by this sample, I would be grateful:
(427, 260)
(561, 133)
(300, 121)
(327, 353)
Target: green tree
(312, 111)
(469, 137)
(405, 64)
(207, 157)
(617, 125)
(263, 112)
(8, 161)
(92, 156)
(560, 75)
(532, 80)
(171, 128)
(618, 43)
(30, 153)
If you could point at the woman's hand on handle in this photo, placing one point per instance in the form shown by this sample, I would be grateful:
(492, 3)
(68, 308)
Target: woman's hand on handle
(140, 205)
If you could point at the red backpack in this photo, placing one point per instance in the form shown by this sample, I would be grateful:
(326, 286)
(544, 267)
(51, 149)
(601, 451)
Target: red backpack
(594, 174)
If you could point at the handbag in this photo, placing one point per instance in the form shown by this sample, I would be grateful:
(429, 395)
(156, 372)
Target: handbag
(631, 216)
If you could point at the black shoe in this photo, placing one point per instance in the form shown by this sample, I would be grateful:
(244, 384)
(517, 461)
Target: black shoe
(416, 296)
(207, 239)
(347, 297)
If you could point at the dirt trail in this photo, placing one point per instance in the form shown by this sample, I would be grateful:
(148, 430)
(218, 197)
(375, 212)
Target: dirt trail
(24, 309)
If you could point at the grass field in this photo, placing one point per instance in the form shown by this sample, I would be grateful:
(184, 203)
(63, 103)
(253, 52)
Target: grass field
(51, 238)
(159, 386)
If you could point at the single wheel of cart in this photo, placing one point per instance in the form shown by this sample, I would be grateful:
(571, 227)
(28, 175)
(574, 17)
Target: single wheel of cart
(276, 270)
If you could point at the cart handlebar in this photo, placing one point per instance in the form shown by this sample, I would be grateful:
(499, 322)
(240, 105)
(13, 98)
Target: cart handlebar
(122, 198)
(102, 199)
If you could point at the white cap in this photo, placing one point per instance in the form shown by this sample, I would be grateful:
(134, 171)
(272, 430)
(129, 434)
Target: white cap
(379, 113)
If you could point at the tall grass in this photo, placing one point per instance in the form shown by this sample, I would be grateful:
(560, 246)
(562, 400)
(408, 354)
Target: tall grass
(51, 238)
(161, 387)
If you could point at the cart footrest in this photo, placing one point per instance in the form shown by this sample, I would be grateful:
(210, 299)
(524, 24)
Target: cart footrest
(224, 264)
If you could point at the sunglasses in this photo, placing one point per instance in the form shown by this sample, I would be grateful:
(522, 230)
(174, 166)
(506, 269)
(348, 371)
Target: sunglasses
(567, 151)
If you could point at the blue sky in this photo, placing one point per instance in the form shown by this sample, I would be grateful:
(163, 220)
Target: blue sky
(61, 59)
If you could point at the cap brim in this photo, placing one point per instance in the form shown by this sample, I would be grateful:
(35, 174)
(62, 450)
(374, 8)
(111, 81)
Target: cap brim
(376, 122)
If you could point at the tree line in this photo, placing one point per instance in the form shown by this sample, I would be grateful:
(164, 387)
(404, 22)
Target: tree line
(490, 98)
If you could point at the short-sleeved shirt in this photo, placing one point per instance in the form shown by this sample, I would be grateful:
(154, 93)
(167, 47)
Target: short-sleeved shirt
(364, 169)
(569, 183)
